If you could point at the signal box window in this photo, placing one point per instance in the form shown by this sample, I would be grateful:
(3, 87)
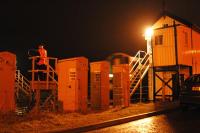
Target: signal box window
(159, 40)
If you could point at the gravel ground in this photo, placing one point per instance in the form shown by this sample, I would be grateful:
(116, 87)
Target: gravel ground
(47, 121)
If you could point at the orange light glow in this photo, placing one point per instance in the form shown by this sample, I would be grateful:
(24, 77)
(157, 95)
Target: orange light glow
(148, 33)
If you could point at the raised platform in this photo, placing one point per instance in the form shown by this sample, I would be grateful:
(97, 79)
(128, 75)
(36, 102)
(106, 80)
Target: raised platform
(43, 85)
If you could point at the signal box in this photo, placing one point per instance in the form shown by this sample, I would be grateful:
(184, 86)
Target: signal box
(7, 81)
(73, 84)
(99, 81)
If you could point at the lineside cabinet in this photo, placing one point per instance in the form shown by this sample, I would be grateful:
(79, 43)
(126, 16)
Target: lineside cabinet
(73, 84)
(99, 81)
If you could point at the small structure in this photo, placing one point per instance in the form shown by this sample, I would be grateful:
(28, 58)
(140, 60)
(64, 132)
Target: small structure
(7, 81)
(121, 85)
(99, 82)
(175, 46)
(45, 91)
(73, 83)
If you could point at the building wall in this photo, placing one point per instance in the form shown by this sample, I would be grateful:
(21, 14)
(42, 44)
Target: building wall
(165, 20)
(188, 44)
(184, 45)
(196, 52)
(164, 54)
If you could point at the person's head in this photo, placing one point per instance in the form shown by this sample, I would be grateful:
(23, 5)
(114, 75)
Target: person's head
(40, 46)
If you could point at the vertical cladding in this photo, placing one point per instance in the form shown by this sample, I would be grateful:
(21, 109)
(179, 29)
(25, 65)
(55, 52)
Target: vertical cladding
(164, 54)
(188, 44)
(7, 81)
(73, 83)
(196, 52)
(184, 45)
(99, 84)
(121, 85)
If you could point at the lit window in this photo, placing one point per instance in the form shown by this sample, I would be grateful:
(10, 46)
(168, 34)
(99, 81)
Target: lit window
(159, 40)
(165, 25)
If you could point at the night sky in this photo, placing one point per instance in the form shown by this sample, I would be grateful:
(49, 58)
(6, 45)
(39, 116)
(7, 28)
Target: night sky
(91, 28)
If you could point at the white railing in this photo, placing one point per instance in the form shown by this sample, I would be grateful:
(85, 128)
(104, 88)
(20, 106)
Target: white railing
(138, 68)
(22, 83)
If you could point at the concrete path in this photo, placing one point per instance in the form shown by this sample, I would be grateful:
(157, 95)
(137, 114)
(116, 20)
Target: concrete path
(121, 115)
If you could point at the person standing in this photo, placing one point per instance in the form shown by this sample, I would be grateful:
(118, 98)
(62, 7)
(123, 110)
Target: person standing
(42, 62)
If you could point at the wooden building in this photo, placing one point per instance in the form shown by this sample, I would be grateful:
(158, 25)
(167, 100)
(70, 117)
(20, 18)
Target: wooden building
(176, 54)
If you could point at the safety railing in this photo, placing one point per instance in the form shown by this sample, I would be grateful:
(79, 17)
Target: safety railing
(138, 68)
(136, 60)
(50, 71)
(22, 83)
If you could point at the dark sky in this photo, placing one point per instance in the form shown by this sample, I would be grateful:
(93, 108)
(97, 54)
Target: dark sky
(90, 28)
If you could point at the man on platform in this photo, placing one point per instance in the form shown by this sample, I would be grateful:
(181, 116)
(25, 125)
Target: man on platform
(42, 62)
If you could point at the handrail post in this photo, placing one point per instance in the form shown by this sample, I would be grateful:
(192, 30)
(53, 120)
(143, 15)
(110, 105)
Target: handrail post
(33, 72)
(47, 74)
(18, 75)
(56, 63)
(22, 82)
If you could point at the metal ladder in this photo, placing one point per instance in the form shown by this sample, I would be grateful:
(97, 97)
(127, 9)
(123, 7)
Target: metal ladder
(22, 83)
(139, 66)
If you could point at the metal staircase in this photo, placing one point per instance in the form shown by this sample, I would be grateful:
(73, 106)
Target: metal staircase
(22, 83)
(23, 94)
(138, 68)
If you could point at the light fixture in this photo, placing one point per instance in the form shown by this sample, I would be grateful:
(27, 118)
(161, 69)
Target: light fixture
(148, 33)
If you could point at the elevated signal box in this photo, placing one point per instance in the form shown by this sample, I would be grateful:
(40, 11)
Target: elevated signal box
(121, 85)
(175, 46)
(7, 81)
(99, 81)
(73, 84)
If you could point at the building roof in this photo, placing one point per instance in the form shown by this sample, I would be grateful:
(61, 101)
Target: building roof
(182, 20)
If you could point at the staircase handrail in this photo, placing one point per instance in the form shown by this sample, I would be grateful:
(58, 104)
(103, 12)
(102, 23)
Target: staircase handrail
(22, 82)
(136, 56)
(141, 68)
(134, 89)
(134, 74)
(20, 75)
(53, 77)
(145, 65)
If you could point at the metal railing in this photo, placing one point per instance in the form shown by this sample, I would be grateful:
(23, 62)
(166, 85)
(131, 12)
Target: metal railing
(136, 60)
(138, 68)
(50, 71)
(22, 83)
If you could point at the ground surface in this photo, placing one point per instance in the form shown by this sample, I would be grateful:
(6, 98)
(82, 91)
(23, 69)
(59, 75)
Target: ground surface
(47, 121)
(176, 122)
